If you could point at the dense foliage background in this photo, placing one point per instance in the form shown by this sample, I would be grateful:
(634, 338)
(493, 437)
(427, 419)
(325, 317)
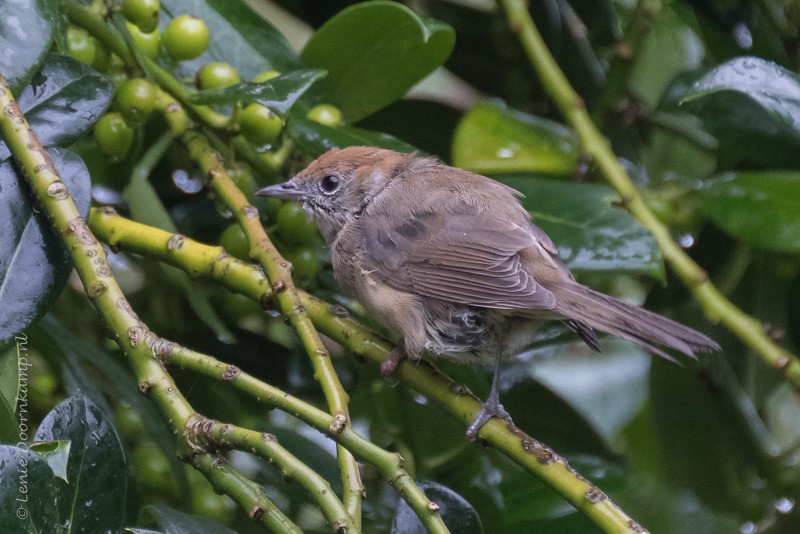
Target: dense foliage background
(699, 101)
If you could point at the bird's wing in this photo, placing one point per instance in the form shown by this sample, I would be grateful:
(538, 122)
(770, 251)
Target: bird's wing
(463, 257)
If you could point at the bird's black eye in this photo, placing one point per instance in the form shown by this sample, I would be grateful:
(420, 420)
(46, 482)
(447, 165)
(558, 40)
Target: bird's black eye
(330, 183)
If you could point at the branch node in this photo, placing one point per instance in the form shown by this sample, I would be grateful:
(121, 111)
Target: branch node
(231, 372)
(175, 242)
(595, 495)
(255, 513)
(338, 424)
(433, 507)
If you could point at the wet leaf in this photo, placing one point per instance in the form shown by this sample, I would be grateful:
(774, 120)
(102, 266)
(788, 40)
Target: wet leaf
(753, 107)
(374, 53)
(63, 101)
(278, 94)
(96, 464)
(591, 233)
(27, 492)
(176, 522)
(762, 208)
(34, 265)
(26, 31)
(459, 516)
(493, 139)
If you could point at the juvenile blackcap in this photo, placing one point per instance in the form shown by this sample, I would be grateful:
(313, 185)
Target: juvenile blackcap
(452, 262)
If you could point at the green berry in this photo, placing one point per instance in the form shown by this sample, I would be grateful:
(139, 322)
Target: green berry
(148, 43)
(294, 227)
(136, 99)
(80, 45)
(186, 37)
(235, 243)
(216, 75)
(260, 125)
(113, 135)
(305, 263)
(143, 13)
(244, 180)
(266, 76)
(326, 114)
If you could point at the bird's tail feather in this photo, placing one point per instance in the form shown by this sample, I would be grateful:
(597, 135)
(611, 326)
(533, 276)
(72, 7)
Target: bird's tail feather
(647, 329)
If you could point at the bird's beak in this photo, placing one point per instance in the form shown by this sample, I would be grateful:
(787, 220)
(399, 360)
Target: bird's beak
(286, 191)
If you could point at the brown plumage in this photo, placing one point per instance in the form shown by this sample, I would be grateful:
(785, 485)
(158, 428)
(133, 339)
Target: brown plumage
(451, 261)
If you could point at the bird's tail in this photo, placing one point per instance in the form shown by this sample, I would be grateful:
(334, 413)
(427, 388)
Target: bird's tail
(647, 329)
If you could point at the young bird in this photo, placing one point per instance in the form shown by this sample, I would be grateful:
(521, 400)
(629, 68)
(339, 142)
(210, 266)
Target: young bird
(452, 262)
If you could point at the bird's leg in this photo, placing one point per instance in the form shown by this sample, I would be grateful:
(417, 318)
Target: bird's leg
(492, 407)
(389, 365)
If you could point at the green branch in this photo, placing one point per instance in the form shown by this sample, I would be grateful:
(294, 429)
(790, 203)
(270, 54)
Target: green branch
(132, 335)
(716, 307)
(278, 272)
(212, 262)
(390, 465)
(244, 492)
(266, 446)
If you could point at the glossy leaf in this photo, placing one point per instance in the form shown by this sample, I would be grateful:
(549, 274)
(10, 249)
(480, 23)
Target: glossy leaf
(34, 265)
(176, 522)
(96, 464)
(56, 454)
(374, 53)
(315, 139)
(63, 101)
(26, 31)
(279, 94)
(459, 516)
(753, 107)
(591, 233)
(762, 208)
(607, 390)
(27, 492)
(239, 36)
(493, 139)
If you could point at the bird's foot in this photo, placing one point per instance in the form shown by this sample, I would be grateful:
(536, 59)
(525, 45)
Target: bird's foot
(491, 408)
(389, 365)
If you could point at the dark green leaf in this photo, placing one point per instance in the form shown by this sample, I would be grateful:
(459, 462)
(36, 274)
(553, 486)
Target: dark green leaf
(96, 465)
(279, 94)
(703, 454)
(56, 454)
(175, 522)
(762, 208)
(9, 391)
(459, 516)
(586, 397)
(34, 265)
(753, 107)
(493, 139)
(591, 233)
(65, 98)
(26, 31)
(239, 36)
(670, 48)
(315, 139)
(374, 52)
(27, 492)
(533, 507)
(97, 373)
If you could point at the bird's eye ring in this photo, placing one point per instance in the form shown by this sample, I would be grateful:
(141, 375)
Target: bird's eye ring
(330, 183)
